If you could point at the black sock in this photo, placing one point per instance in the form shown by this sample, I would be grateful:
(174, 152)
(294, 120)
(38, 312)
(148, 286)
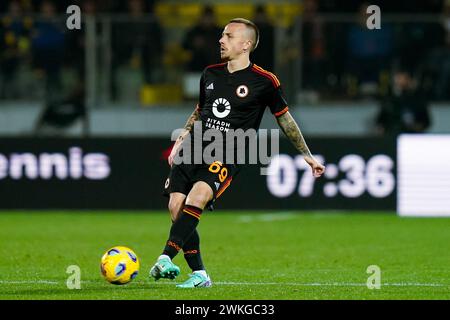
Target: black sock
(182, 229)
(192, 254)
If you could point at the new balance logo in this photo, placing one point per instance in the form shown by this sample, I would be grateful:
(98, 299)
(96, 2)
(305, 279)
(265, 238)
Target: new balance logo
(211, 86)
(217, 185)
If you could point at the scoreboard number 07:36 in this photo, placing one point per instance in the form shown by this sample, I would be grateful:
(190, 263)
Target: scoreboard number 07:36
(350, 177)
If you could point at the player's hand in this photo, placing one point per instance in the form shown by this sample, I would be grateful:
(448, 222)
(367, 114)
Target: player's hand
(317, 168)
(174, 152)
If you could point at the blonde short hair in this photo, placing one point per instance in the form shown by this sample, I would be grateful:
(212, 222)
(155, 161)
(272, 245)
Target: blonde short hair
(250, 25)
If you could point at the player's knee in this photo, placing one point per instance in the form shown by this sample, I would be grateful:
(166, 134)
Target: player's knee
(198, 202)
(198, 199)
(175, 206)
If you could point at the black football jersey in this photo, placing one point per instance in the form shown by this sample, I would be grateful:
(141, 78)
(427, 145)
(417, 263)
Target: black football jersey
(238, 100)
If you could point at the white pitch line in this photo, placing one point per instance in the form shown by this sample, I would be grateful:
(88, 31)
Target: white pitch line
(334, 284)
(28, 282)
(230, 283)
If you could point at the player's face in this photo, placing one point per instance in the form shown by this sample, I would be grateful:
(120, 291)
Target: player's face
(233, 41)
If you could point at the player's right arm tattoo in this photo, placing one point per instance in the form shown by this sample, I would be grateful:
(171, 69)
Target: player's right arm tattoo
(190, 122)
(195, 116)
(292, 131)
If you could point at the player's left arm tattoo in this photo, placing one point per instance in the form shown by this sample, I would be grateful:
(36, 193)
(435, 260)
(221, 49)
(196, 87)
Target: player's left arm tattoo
(292, 131)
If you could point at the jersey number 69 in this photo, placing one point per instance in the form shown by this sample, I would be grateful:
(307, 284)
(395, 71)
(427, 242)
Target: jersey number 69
(216, 167)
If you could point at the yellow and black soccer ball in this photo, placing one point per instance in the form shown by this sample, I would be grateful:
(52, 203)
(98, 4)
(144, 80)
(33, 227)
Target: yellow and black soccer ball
(119, 265)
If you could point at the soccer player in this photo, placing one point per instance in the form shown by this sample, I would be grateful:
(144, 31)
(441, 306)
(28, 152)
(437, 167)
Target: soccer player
(233, 95)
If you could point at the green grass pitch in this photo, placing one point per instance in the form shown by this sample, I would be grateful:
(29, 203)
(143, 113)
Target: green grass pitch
(249, 255)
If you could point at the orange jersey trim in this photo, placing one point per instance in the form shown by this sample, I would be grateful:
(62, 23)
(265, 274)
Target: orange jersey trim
(269, 75)
(224, 187)
(216, 65)
(279, 113)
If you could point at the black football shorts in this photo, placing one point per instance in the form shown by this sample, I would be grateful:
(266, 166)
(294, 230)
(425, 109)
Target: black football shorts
(217, 175)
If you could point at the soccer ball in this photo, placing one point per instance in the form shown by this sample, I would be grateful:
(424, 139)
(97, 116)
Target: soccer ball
(119, 265)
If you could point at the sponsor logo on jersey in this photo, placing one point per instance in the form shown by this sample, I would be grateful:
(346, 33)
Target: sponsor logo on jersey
(223, 105)
(242, 91)
(210, 87)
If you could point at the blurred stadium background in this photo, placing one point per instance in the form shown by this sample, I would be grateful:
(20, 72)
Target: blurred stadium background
(120, 85)
(86, 117)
